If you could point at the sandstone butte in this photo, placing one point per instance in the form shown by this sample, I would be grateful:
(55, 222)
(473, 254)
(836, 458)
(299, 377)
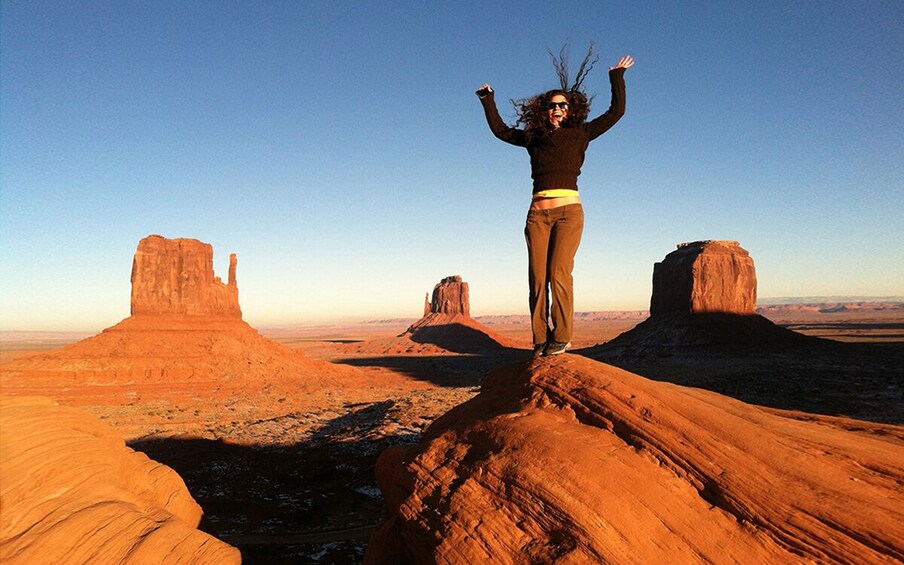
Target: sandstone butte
(185, 337)
(703, 300)
(447, 326)
(567, 460)
(702, 277)
(72, 492)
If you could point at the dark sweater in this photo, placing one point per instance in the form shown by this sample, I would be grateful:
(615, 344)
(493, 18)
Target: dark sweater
(556, 158)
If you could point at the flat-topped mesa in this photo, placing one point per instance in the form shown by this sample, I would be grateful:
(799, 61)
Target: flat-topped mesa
(450, 296)
(704, 277)
(175, 276)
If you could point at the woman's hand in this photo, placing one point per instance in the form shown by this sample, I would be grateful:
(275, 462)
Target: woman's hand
(625, 62)
(484, 90)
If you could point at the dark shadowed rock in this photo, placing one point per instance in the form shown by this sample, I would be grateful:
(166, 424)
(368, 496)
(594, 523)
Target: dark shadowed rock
(565, 460)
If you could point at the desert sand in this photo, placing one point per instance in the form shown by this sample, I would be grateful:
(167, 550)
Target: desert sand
(276, 432)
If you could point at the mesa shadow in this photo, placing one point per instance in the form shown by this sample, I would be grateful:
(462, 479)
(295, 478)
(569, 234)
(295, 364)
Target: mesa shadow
(315, 500)
(851, 329)
(453, 370)
(755, 361)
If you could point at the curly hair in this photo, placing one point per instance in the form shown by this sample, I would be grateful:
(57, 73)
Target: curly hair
(532, 111)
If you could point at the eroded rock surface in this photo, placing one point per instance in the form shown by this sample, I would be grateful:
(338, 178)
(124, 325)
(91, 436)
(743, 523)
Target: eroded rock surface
(450, 296)
(568, 460)
(175, 276)
(704, 277)
(72, 492)
(703, 304)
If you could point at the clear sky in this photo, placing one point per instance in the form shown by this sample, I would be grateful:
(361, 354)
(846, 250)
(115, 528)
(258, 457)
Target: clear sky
(339, 150)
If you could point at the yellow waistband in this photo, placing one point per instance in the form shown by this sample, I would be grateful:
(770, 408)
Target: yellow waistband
(555, 193)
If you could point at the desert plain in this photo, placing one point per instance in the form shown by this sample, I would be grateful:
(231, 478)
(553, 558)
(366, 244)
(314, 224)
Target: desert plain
(276, 431)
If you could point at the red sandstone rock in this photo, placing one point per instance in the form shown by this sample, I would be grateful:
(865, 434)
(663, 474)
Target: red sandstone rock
(175, 276)
(567, 460)
(450, 296)
(185, 332)
(447, 327)
(704, 277)
(72, 492)
(703, 303)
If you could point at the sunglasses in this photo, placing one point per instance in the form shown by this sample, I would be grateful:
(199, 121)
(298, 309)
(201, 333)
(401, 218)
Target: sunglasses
(554, 105)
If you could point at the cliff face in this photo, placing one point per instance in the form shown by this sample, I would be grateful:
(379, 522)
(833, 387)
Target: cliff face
(175, 276)
(450, 296)
(704, 277)
(565, 460)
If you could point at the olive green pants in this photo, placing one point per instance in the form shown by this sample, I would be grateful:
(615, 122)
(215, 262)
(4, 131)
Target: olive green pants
(553, 237)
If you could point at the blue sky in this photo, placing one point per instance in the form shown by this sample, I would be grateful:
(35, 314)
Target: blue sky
(339, 150)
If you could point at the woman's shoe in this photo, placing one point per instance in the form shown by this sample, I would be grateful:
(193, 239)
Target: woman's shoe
(556, 347)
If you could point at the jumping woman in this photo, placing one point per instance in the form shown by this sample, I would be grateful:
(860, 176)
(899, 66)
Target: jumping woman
(556, 135)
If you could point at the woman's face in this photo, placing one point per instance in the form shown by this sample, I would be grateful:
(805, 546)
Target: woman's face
(557, 110)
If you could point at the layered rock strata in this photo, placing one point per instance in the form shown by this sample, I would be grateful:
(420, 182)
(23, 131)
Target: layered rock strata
(175, 276)
(450, 296)
(72, 492)
(705, 277)
(565, 460)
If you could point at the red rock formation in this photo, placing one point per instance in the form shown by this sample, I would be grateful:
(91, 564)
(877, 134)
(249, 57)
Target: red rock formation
(704, 277)
(175, 276)
(450, 296)
(572, 461)
(186, 332)
(703, 303)
(446, 327)
(72, 492)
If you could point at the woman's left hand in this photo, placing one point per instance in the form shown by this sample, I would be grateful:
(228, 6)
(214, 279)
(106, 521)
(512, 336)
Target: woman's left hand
(625, 62)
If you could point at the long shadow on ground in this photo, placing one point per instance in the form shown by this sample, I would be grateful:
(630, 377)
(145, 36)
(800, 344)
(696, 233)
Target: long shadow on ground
(314, 501)
(454, 370)
(864, 381)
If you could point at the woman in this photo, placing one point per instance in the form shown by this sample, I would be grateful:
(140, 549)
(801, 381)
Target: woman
(556, 135)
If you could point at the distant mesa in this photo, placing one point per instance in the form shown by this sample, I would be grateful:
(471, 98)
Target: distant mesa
(704, 277)
(704, 299)
(566, 460)
(175, 276)
(448, 322)
(186, 330)
(73, 492)
(450, 296)
(447, 326)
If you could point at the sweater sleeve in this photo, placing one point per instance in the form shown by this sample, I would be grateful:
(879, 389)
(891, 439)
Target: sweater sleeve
(497, 126)
(600, 125)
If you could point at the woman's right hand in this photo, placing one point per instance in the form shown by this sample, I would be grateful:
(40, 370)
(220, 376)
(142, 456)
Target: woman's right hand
(625, 62)
(484, 90)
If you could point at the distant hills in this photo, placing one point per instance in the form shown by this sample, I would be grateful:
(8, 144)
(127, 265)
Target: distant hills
(825, 299)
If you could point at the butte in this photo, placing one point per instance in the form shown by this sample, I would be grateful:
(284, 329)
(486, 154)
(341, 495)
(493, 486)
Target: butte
(184, 342)
(704, 331)
(445, 328)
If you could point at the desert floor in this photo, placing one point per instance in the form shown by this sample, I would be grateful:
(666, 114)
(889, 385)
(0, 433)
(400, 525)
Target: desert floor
(289, 478)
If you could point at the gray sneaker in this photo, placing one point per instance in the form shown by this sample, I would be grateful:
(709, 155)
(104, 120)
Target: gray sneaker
(539, 350)
(556, 347)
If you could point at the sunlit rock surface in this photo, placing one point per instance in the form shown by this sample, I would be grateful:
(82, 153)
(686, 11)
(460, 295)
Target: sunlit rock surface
(72, 492)
(567, 460)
